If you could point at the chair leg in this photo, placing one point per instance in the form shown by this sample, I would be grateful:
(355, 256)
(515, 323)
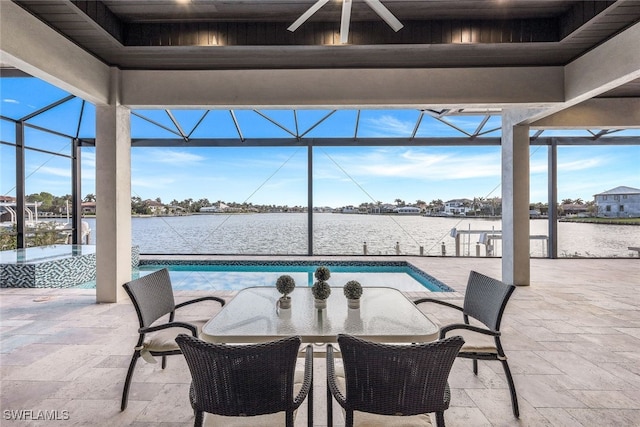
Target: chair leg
(127, 381)
(310, 406)
(199, 419)
(512, 389)
(440, 419)
(475, 366)
(164, 362)
(348, 418)
(329, 407)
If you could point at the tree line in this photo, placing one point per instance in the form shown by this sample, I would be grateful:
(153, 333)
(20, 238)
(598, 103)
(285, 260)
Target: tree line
(58, 204)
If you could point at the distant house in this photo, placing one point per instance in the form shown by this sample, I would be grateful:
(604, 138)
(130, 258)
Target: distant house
(154, 206)
(174, 210)
(618, 202)
(574, 209)
(457, 206)
(219, 207)
(408, 210)
(349, 210)
(88, 208)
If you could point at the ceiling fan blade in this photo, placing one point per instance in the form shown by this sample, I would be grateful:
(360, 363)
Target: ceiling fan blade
(346, 19)
(313, 9)
(385, 14)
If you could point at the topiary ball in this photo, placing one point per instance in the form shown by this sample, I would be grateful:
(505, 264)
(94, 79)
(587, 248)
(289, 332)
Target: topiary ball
(322, 273)
(352, 289)
(285, 284)
(321, 290)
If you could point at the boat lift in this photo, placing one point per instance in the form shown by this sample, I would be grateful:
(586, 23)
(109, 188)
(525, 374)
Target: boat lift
(487, 238)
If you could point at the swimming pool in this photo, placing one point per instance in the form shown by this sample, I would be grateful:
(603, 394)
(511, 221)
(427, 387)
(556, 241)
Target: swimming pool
(236, 275)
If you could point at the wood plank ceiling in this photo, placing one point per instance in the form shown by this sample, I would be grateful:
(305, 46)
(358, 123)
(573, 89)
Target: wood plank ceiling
(252, 34)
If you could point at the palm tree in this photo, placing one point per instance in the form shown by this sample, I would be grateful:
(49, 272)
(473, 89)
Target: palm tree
(89, 198)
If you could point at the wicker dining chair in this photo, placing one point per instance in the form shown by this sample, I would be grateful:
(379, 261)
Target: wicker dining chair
(485, 300)
(152, 297)
(257, 384)
(389, 384)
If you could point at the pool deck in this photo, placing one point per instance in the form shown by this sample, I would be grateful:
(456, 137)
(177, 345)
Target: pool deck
(572, 337)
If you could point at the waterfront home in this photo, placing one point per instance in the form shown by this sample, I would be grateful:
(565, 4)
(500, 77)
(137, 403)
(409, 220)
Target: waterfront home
(349, 210)
(154, 206)
(618, 202)
(88, 208)
(573, 209)
(219, 207)
(408, 210)
(457, 207)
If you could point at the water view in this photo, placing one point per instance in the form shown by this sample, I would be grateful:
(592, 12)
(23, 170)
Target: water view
(341, 234)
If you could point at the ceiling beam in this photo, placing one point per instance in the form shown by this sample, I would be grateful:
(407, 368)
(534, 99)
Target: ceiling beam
(30, 45)
(613, 63)
(597, 113)
(344, 88)
(608, 66)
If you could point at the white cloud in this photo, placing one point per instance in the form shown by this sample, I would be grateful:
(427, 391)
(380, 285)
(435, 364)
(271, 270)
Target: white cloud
(11, 101)
(387, 125)
(412, 164)
(47, 170)
(579, 164)
(174, 157)
(88, 160)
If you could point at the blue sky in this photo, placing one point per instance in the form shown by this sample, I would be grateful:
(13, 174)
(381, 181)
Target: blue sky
(277, 175)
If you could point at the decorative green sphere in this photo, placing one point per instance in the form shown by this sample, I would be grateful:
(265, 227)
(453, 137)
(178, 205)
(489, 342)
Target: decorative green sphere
(321, 290)
(352, 289)
(322, 273)
(285, 284)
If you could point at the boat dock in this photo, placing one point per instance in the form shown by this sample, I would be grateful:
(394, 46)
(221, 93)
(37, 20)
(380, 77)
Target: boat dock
(487, 239)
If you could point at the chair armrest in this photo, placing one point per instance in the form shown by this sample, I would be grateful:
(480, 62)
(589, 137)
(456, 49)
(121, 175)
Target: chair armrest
(195, 300)
(331, 377)
(437, 301)
(308, 377)
(454, 326)
(189, 326)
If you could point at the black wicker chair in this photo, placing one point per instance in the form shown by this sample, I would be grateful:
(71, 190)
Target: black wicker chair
(385, 380)
(152, 297)
(255, 382)
(485, 300)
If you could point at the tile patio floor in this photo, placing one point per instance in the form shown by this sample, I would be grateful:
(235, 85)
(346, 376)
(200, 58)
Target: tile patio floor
(572, 337)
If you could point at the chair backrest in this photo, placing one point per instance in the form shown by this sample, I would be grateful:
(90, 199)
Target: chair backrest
(389, 379)
(486, 298)
(152, 296)
(241, 380)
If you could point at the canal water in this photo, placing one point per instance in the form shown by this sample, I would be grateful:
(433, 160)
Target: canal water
(349, 234)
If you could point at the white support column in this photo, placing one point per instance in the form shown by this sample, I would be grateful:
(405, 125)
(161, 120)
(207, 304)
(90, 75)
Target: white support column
(515, 201)
(113, 201)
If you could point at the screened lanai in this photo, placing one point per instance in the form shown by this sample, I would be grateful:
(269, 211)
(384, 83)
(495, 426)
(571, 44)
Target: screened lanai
(553, 71)
(51, 132)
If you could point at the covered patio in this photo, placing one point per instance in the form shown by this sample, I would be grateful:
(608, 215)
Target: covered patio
(547, 65)
(572, 341)
(572, 336)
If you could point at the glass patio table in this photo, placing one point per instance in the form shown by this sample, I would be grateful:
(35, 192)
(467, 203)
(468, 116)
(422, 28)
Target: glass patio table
(385, 315)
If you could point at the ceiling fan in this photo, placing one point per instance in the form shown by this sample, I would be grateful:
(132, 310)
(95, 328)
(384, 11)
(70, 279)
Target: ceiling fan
(376, 5)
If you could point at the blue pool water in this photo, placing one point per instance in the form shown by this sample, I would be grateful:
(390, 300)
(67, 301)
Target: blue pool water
(236, 275)
(242, 274)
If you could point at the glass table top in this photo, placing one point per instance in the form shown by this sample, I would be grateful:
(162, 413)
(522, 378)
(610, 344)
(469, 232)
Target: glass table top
(385, 315)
